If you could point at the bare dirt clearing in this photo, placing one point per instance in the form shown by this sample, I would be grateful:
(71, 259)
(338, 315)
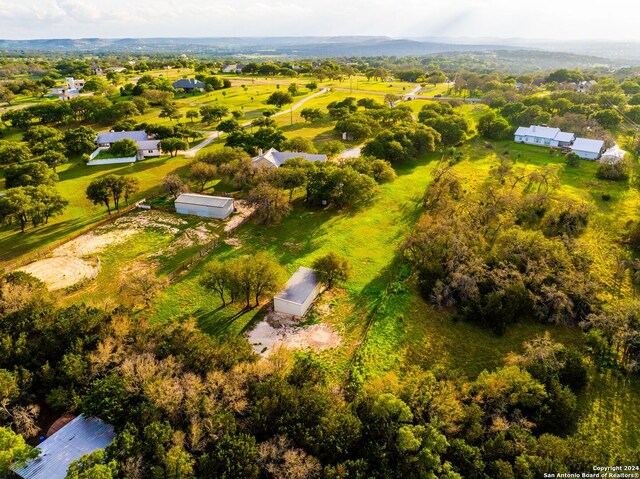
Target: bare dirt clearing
(282, 330)
(61, 272)
(243, 211)
(72, 262)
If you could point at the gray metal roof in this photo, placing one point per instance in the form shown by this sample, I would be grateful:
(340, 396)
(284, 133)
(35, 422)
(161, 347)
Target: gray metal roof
(148, 144)
(300, 286)
(113, 136)
(565, 137)
(277, 158)
(587, 145)
(188, 83)
(203, 200)
(81, 436)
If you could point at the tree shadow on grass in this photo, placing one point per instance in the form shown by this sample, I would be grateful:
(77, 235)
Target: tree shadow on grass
(220, 321)
(17, 243)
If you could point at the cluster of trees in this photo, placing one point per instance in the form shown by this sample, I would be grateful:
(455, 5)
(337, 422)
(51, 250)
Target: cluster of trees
(506, 251)
(453, 127)
(243, 279)
(104, 190)
(185, 406)
(24, 205)
(98, 109)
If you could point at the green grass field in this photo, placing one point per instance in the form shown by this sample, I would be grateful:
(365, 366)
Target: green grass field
(74, 179)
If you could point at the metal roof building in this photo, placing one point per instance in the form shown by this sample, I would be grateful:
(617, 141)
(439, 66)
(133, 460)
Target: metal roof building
(108, 138)
(587, 148)
(79, 437)
(274, 158)
(204, 205)
(298, 294)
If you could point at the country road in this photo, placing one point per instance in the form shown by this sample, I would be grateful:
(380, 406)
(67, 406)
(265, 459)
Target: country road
(213, 135)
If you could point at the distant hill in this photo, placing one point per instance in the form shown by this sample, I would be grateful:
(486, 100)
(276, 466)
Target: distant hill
(276, 46)
(516, 57)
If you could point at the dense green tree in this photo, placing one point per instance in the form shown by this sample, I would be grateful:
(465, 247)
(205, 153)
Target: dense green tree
(332, 269)
(33, 173)
(279, 98)
(173, 145)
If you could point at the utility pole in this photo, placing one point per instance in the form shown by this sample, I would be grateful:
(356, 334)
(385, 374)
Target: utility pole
(291, 112)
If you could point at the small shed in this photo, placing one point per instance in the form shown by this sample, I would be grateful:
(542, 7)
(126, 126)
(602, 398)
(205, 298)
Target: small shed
(83, 435)
(204, 205)
(587, 149)
(298, 294)
(613, 155)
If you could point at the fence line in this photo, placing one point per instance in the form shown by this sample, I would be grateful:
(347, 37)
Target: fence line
(189, 263)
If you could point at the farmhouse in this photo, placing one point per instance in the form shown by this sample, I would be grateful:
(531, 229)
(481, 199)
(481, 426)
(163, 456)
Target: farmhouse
(70, 90)
(204, 205)
(232, 68)
(108, 139)
(587, 149)
(274, 158)
(298, 294)
(543, 135)
(79, 437)
(188, 85)
(146, 147)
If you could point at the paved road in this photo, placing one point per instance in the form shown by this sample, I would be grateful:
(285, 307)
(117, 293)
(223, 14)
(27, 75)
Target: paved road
(212, 135)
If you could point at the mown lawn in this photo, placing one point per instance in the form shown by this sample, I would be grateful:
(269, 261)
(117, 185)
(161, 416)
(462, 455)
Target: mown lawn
(369, 237)
(74, 179)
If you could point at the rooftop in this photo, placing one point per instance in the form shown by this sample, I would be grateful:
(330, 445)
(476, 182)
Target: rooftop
(587, 145)
(79, 437)
(277, 158)
(565, 136)
(203, 200)
(113, 136)
(538, 131)
(300, 286)
(188, 83)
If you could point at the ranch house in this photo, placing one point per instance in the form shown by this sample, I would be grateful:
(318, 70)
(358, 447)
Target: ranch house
(543, 136)
(274, 158)
(189, 85)
(298, 294)
(204, 205)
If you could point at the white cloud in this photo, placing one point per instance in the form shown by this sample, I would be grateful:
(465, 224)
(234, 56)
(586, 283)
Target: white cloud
(555, 19)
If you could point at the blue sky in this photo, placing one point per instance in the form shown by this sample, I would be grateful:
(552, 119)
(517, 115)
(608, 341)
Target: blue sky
(553, 19)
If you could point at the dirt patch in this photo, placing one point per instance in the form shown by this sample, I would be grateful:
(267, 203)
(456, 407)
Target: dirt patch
(281, 329)
(243, 211)
(60, 272)
(235, 242)
(71, 263)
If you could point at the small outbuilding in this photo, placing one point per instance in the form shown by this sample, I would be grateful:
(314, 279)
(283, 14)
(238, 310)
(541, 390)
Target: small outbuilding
(298, 294)
(204, 205)
(587, 148)
(613, 155)
(83, 435)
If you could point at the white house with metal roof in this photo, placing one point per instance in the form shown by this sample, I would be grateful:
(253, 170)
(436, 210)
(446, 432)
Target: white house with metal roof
(587, 148)
(146, 147)
(204, 205)
(273, 158)
(83, 435)
(298, 294)
(543, 136)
